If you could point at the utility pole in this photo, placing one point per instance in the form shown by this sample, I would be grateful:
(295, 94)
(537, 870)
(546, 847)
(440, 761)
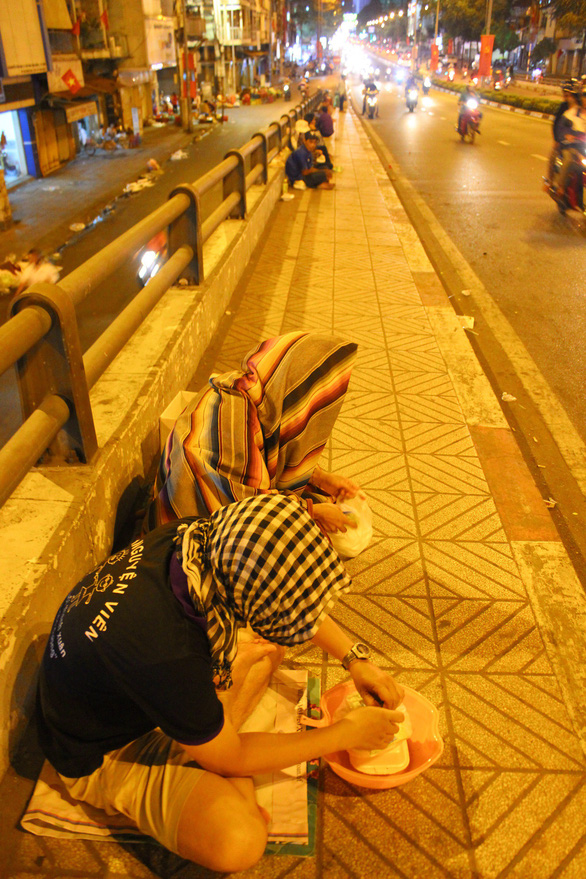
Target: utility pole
(183, 65)
(488, 17)
(318, 43)
(270, 42)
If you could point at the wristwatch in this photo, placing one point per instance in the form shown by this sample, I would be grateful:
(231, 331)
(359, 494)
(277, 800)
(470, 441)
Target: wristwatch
(357, 651)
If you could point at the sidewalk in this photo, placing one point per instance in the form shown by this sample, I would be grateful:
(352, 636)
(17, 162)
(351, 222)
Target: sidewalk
(44, 208)
(452, 595)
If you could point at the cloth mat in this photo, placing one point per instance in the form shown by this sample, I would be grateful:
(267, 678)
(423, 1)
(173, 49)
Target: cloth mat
(286, 795)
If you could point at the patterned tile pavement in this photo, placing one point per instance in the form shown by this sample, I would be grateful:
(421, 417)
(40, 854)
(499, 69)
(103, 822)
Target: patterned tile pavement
(437, 595)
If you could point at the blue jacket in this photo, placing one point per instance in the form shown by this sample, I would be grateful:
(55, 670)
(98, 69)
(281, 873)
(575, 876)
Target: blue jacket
(298, 161)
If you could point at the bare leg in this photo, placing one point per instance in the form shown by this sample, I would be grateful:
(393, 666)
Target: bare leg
(251, 673)
(221, 827)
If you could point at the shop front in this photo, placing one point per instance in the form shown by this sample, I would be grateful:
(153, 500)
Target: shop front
(12, 154)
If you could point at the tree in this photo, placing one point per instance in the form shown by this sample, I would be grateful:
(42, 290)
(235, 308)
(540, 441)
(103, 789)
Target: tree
(505, 39)
(368, 13)
(466, 18)
(543, 50)
(571, 16)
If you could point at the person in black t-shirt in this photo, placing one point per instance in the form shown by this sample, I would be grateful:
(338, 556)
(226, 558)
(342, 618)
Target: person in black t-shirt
(144, 685)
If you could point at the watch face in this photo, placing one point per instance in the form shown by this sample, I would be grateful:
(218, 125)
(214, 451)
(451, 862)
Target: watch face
(361, 651)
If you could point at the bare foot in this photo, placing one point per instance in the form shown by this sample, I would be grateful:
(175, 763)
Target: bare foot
(326, 185)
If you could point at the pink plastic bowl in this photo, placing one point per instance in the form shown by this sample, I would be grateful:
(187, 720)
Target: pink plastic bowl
(425, 744)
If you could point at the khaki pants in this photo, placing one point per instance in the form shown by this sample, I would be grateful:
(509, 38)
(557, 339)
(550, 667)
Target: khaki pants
(147, 780)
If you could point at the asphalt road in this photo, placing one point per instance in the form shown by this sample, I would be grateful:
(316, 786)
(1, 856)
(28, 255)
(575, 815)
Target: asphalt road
(96, 312)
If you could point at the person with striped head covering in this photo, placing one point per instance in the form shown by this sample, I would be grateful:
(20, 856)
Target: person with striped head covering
(258, 429)
(144, 685)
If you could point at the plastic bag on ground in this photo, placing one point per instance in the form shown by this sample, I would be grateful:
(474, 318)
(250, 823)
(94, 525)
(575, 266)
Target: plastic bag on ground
(351, 543)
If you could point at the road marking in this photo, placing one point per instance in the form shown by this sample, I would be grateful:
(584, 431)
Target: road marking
(504, 142)
(541, 158)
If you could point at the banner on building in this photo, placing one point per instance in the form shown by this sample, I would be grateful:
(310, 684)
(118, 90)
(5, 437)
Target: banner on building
(485, 63)
(80, 111)
(67, 72)
(434, 57)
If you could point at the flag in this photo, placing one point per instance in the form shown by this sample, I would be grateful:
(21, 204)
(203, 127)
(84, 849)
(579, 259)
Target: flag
(71, 81)
(104, 19)
(76, 29)
(486, 46)
(434, 57)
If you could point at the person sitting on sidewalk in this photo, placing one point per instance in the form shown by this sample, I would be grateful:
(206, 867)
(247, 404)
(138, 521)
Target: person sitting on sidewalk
(321, 144)
(144, 686)
(299, 167)
(324, 122)
(258, 429)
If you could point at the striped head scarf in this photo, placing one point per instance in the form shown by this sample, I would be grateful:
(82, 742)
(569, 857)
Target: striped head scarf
(262, 561)
(259, 428)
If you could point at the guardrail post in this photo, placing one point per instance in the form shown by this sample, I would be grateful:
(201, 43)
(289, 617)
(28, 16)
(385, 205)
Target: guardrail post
(186, 229)
(55, 366)
(264, 151)
(284, 124)
(292, 114)
(235, 181)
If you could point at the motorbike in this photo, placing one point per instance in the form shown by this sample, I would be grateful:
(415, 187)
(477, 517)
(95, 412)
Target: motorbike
(411, 99)
(371, 105)
(152, 258)
(573, 197)
(426, 85)
(286, 92)
(469, 120)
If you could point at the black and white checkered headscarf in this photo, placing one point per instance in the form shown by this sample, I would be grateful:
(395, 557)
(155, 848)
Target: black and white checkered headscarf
(261, 561)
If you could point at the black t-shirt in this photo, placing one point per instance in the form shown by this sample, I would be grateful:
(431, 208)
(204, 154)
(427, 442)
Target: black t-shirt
(126, 654)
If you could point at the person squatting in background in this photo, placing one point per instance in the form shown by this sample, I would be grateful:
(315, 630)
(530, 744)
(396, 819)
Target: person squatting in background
(300, 166)
(259, 428)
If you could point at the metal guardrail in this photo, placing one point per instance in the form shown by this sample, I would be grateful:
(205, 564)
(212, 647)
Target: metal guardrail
(41, 338)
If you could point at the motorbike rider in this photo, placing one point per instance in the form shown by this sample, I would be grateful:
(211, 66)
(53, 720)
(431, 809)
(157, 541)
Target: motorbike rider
(370, 89)
(411, 83)
(558, 128)
(572, 127)
(465, 96)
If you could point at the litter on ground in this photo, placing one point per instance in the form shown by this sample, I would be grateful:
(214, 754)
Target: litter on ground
(138, 185)
(508, 398)
(178, 154)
